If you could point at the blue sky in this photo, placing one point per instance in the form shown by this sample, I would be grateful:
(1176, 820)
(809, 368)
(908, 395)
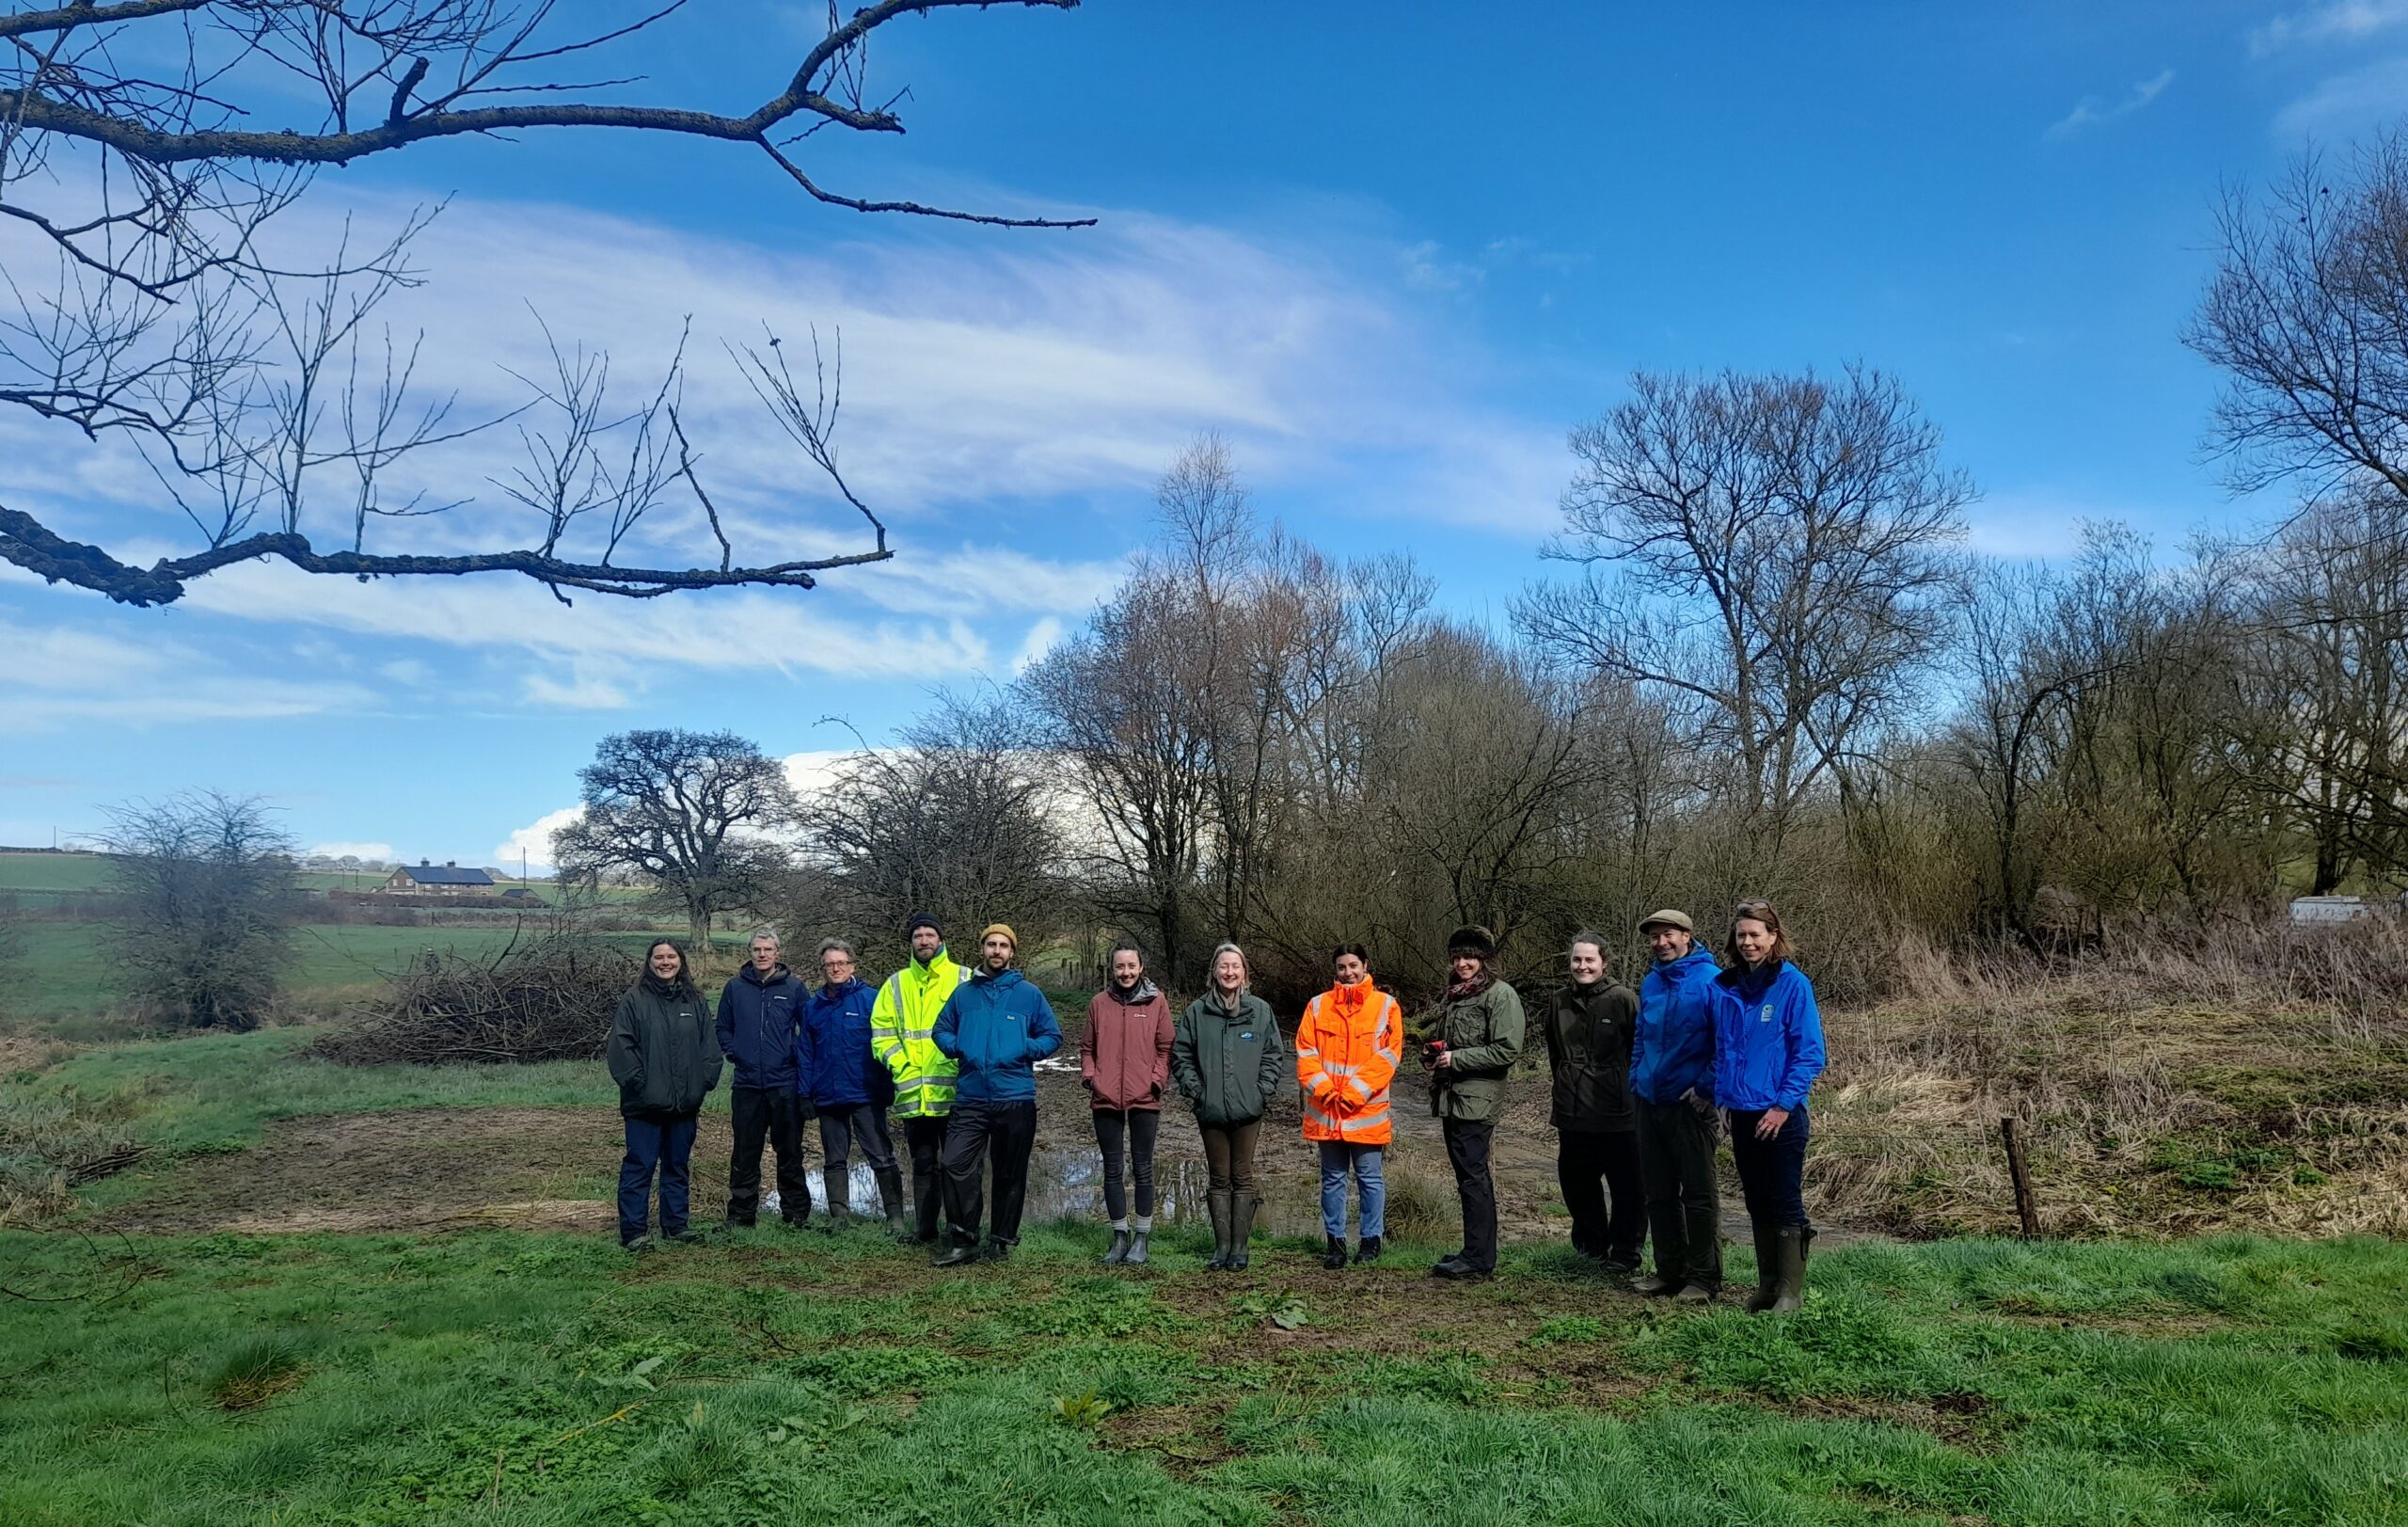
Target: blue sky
(1392, 253)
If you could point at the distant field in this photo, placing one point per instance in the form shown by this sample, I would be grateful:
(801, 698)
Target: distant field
(72, 968)
(33, 875)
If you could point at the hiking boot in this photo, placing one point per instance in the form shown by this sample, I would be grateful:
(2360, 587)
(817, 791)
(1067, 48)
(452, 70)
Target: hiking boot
(1767, 1269)
(958, 1254)
(1655, 1285)
(1694, 1294)
(683, 1238)
(1334, 1255)
(1457, 1270)
(1367, 1250)
(890, 1197)
(1118, 1252)
(1241, 1228)
(1216, 1203)
(635, 1243)
(1618, 1265)
(997, 1251)
(1789, 1292)
(1137, 1257)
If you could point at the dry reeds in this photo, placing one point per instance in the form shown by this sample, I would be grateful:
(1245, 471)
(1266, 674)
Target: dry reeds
(2250, 1076)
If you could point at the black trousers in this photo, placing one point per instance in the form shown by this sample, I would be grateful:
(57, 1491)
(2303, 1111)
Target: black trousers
(1772, 1173)
(1467, 1142)
(925, 1138)
(1010, 1129)
(1683, 1205)
(1140, 1126)
(776, 1113)
(1590, 1167)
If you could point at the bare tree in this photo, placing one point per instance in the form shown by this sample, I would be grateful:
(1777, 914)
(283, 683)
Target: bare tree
(954, 820)
(691, 813)
(136, 157)
(1772, 552)
(207, 887)
(2307, 313)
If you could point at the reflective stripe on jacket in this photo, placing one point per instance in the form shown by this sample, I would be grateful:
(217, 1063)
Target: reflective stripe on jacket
(902, 1034)
(1347, 1046)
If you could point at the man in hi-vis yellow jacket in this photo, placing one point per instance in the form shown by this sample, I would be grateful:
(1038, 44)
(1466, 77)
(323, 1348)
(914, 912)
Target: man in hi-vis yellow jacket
(902, 1029)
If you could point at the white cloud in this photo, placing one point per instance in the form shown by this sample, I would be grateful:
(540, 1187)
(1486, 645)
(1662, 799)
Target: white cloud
(377, 851)
(2345, 101)
(2347, 20)
(2090, 112)
(583, 691)
(1040, 640)
(58, 675)
(407, 671)
(534, 840)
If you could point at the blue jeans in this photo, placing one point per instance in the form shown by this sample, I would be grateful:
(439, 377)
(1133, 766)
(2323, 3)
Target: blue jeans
(1372, 1188)
(662, 1143)
(1772, 1173)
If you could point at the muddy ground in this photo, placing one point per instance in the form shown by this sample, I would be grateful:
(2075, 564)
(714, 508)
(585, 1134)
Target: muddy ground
(424, 1168)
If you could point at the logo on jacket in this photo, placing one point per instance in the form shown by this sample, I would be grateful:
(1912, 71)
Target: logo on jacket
(1766, 1016)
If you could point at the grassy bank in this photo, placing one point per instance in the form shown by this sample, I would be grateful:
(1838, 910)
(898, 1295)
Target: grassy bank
(525, 1378)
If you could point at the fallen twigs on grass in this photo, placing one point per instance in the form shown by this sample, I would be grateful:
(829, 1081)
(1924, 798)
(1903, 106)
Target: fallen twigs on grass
(547, 998)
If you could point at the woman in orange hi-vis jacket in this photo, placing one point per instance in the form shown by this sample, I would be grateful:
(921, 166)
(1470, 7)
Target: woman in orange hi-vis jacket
(1347, 1046)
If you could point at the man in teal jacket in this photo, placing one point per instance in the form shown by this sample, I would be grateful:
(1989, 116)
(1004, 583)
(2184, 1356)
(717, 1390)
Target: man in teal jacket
(997, 1025)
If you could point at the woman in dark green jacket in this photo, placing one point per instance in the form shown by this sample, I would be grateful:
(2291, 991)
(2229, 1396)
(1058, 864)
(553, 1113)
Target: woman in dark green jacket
(1228, 1062)
(664, 1055)
(1469, 1041)
(1588, 1027)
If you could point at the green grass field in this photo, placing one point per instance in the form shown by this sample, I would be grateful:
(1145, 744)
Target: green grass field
(774, 1377)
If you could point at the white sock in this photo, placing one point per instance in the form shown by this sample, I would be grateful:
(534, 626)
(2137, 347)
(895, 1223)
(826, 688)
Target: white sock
(1145, 1224)
(1120, 1227)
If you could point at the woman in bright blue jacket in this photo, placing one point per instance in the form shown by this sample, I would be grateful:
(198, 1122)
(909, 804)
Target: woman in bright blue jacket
(1768, 1051)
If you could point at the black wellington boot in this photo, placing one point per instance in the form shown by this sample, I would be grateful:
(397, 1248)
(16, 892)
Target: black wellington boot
(1767, 1269)
(1791, 1292)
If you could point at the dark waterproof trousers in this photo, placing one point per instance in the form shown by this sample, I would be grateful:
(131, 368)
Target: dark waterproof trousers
(774, 1113)
(1139, 1126)
(925, 1138)
(1591, 1168)
(1467, 1142)
(1684, 1206)
(1229, 1155)
(1010, 1130)
(842, 1128)
(1772, 1173)
(662, 1143)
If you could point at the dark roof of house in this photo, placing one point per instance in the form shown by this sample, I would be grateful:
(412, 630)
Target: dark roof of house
(446, 875)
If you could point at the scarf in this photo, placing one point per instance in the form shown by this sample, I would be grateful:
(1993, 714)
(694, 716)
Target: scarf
(1460, 990)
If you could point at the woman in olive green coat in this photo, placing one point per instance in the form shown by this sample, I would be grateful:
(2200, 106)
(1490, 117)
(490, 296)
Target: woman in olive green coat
(1469, 1041)
(1228, 1059)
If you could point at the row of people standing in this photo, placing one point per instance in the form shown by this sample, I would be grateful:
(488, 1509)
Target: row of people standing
(1640, 1083)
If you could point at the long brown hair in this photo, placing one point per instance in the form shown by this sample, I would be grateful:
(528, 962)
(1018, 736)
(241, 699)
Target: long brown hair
(1760, 911)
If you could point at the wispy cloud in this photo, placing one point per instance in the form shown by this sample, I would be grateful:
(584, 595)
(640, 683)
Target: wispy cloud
(2347, 20)
(2093, 112)
(63, 675)
(347, 849)
(2346, 102)
(580, 691)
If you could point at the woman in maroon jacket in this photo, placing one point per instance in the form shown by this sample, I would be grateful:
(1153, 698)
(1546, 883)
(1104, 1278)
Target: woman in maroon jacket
(1125, 1059)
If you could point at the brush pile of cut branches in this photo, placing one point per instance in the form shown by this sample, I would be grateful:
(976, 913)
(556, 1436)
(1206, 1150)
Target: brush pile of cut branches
(549, 998)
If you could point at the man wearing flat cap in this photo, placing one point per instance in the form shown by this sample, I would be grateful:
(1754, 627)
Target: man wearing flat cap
(1672, 1081)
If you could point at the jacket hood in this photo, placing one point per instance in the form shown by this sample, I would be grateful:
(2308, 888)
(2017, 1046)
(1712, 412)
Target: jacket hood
(838, 991)
(1137, 995)
(777, 974)
(920, 964)
(1010, 976)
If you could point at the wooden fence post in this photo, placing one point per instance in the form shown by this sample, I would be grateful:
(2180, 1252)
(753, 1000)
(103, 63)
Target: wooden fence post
(2025, 1209)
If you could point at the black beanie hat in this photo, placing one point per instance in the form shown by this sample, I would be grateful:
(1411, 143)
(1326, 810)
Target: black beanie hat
(917, 921)
(1475, 941)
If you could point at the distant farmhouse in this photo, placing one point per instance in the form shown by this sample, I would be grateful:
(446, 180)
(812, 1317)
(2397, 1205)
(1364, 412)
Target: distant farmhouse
(422, 879)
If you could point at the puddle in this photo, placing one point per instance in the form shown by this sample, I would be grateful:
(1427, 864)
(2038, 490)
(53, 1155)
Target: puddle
(1062, 1185)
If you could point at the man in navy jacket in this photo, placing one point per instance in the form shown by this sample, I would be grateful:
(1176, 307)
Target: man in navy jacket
(759, 1013)
(998, 1025)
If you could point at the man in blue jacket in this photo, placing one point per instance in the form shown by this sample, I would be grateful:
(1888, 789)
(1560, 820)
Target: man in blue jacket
(1672, 1081)
(759, 1013)
(998, 1025)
